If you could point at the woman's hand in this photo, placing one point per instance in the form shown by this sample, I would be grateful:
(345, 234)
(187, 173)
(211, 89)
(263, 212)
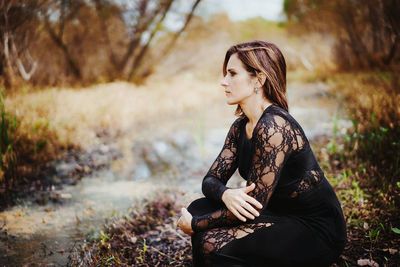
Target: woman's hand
(239, 203)
(185, 222)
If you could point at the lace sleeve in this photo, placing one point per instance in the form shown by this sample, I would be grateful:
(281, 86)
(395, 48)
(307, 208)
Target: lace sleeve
(272, 146)
(214, 182)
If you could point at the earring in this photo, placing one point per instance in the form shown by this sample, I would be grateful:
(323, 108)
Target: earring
(256, 90)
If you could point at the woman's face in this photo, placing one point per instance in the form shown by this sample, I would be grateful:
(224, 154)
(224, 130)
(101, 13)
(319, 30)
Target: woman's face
(238, 83)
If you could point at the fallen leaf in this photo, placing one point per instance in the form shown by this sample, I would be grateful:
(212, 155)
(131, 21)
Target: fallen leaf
(367, 262)
(392, 251)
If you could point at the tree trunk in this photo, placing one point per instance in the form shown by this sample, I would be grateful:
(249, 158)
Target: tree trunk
(9, 75)
(106, 39)
(138, 59)
(71, 63)
(359, 50)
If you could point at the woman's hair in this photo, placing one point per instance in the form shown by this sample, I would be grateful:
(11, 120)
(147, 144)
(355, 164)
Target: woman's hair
(260, 56)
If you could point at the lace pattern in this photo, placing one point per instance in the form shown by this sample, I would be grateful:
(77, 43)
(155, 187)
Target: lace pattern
(226, 163)
(275, 138)
(311, 180)
(214, 239)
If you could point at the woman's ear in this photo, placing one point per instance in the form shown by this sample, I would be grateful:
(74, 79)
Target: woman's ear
(261, 77)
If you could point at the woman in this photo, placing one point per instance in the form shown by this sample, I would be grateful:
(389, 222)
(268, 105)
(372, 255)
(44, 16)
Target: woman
(288, 214)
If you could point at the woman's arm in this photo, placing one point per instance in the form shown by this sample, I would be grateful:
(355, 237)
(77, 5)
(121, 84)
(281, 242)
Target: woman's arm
(273, 145)
(226, 163)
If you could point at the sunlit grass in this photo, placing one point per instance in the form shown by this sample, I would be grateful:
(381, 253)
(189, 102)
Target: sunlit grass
(8, 125)
(76, 116)
(40, 124)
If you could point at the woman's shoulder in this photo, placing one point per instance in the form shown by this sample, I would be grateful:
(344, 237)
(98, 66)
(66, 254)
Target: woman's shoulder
(237, 122)
(236, 126)
(278, 114)
(274, 114)
(279, 119)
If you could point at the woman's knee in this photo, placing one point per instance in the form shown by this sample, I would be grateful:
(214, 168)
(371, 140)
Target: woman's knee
(195, 206)
(202, 206)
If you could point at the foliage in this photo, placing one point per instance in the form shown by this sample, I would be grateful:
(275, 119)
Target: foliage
(8, 125)
(367, 32)
(362, 164)
(80, 42)
(23, 147)
(373, 139)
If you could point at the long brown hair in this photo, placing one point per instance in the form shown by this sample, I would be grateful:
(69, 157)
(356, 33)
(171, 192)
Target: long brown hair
(260, 56)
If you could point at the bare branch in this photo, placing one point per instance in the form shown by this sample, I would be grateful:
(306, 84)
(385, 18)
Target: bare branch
(177, 34)
(25, 75)
(143, 23)
(144, 49)
(60, 44)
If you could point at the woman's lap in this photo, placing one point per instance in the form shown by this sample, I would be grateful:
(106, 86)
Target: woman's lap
(284, 241)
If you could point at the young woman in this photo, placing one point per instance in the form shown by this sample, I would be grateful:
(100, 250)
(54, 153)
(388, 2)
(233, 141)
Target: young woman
(288, 214)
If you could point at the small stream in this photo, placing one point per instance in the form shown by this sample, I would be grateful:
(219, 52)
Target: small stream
(45, 235)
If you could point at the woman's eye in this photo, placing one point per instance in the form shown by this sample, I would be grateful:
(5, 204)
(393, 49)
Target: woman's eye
(232, 73)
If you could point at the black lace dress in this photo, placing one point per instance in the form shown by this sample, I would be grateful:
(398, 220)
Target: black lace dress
(301, 222)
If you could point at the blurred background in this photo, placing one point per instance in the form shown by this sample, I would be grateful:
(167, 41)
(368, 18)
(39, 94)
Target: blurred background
(112, 112)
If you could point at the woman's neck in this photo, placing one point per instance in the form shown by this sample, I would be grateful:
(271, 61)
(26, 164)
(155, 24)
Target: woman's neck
(254, 109)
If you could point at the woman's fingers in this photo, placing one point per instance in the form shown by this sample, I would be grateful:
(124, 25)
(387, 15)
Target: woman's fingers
(249, 188)
(241, 204)
(253, 201)
(250, 199)
(244, 212)
(251, 209)
(238, 215)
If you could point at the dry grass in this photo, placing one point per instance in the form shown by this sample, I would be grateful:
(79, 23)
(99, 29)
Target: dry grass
(77, 115)
(53, 120)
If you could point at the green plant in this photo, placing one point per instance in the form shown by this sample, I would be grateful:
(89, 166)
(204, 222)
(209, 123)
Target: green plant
(8, 159)
(358, 193)
(104, 238)
(372, 141)
(396, 230)
(332, 146)
(142, 252)
(373, 234)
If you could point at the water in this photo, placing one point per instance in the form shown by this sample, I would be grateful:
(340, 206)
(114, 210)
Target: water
(46, 234)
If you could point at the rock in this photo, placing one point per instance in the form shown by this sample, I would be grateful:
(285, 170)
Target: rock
(176, 153)
(59, 196)
(65, 168)
(141, 171)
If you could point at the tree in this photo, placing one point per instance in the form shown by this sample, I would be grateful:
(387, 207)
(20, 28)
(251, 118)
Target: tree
(84, 41)
(148, 17)
(15, 33)
(367, 32)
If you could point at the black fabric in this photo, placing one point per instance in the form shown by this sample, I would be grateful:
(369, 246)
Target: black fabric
(301, 222)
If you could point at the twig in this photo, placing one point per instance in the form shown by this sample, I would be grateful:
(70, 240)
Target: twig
(177, 233)
(162, 253)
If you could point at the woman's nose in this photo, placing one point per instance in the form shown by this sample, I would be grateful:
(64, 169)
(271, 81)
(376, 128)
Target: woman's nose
(223, 82)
